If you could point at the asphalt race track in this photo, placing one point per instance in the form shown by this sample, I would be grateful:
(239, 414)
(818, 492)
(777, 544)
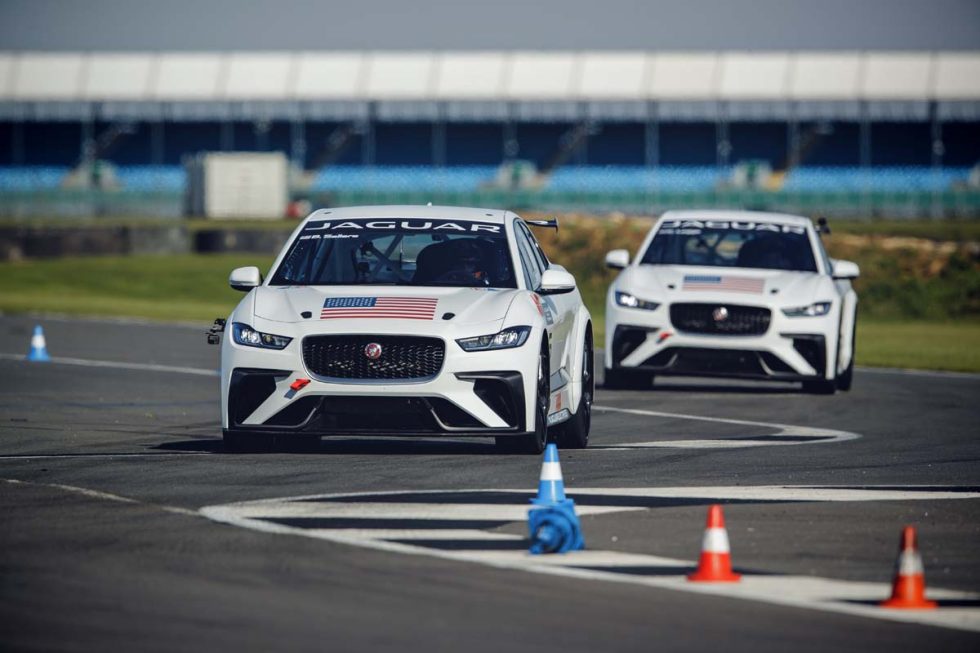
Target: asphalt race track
(125, 526)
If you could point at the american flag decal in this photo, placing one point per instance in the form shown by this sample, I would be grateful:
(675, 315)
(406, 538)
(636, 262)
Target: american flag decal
(719, 283)
(397, 308)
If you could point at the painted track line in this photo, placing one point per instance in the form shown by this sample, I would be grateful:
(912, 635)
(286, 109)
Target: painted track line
(802, 434)
(141, 367)
(480, 546)
(103, 496)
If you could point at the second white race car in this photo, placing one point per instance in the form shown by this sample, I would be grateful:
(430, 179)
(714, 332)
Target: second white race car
(408, 320)
(731, 293)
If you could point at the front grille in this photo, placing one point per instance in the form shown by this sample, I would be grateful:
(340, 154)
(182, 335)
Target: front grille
(740, 320)
(402, 357)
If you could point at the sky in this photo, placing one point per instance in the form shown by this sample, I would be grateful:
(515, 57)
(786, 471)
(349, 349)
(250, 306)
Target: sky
(223, 25)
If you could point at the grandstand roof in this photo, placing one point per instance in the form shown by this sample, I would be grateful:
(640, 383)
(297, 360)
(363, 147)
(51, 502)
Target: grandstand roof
(280, 83)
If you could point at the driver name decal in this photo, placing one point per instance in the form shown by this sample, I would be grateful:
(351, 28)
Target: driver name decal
(398, 308)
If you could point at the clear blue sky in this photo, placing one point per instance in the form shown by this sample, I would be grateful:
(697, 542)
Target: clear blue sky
(489, 24)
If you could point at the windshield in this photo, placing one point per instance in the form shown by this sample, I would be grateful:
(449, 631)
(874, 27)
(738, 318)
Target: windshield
(722, 243)
(394, 251)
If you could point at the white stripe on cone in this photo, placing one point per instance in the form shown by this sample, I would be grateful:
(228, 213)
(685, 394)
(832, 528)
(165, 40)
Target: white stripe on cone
(910, 564)
(551, 472)
(715, 541)
(37, 341)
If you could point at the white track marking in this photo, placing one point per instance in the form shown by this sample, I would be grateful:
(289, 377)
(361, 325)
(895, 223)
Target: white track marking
(489, 511)
(831, 595)
(103, 496)
(819, 435)
(165, 454)
(143, 367)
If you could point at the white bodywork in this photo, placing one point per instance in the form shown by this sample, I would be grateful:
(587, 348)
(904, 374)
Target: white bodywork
(772, 289)
(560, 320)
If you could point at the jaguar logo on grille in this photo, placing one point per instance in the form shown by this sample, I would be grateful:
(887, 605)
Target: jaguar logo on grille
(372, 350)
(720, 314)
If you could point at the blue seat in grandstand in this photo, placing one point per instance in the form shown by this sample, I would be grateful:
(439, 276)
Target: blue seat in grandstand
(636, 178)
(31, 178)
(885, 179)
(151, 178)
(403, 178)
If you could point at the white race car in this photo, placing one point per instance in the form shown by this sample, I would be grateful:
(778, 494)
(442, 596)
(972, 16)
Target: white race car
(408, 320)
(731, 293)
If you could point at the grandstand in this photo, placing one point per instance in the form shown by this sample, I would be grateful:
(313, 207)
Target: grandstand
(859, 133)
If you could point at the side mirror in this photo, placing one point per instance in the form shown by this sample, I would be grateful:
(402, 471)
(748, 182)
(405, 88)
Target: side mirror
(618, 259)
(556, 282)
(245, 279)
(846, 270)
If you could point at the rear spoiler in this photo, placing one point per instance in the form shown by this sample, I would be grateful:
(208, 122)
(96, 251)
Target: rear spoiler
(551, 224)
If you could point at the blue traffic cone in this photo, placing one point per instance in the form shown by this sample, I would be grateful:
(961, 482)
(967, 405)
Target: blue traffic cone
(39, 347)
(551, 486)
(554, 527)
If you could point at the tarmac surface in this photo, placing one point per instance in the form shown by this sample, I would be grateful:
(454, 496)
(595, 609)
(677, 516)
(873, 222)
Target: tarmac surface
(122, 523)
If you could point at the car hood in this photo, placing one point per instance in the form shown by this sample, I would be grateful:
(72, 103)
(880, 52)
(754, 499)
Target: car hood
(469, 305)
(667, 282)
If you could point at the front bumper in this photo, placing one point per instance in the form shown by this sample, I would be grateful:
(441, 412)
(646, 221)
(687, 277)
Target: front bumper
(791, 349)
(474, 393)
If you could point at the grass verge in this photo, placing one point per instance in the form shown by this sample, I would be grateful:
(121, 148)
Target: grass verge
(953, 346)
(194, 288)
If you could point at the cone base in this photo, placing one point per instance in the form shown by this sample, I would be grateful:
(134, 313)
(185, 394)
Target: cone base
(905, 604)
(698, 577)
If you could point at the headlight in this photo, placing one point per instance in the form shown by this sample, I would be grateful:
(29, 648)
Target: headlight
(813, 310)
(246, 335)
(631, 301)
(506, 339)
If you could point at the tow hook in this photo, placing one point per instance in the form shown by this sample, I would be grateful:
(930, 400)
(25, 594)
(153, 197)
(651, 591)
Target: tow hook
(214, 333)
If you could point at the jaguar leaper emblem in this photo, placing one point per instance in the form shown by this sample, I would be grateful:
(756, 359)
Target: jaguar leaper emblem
(372, 350)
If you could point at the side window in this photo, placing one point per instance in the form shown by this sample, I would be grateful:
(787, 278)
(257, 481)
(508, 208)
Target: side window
(532, 273)
(538, 252)
(822, 253)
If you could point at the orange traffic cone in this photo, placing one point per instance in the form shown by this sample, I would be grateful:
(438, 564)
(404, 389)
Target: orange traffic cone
(715, 565)
(909, 586)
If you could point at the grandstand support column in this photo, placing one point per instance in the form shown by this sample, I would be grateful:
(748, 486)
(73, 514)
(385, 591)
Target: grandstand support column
(17, 143)
(297, 143)
(723, 146)
(792, 137)
(87, 145)
(368, 149)
(651, 152)
(157, 142)
(865, 154)
(227, 128)
(511, 146)
(937, 153)
(439, 137)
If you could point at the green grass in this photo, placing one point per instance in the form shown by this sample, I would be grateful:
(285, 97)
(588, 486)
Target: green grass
(194, 288)
(924, 345)
(188, 287)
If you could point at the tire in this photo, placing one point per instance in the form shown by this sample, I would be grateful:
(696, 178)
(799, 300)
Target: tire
(533, 442)
(627, 379)
(574, 434)
(846, 378)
